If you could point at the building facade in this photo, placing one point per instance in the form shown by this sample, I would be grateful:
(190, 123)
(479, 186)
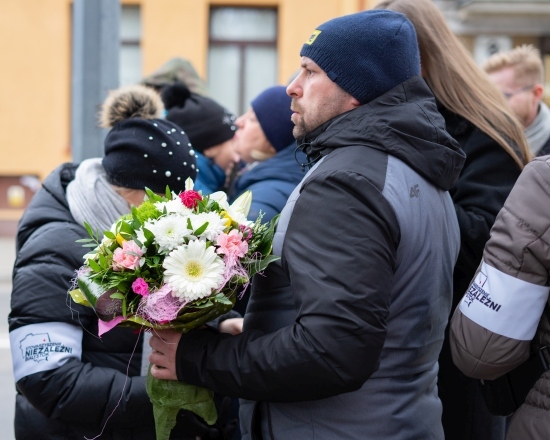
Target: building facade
(239, 47)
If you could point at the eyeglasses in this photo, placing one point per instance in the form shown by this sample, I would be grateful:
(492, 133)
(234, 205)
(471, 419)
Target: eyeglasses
(523, 89)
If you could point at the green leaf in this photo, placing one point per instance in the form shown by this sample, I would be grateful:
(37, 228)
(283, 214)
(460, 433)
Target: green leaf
(103, 261)
(169, 396)
(84, 240)
(109, 235)
(91, 245)
(125, 228)
(260, 265)
(89, 229)
(204, 304)
(189, 225)
(94, 266)
(89, 289)
(265, 245)
(168, 193)
(221, 298)
(117, 295)
(149, 236)
(201, 229)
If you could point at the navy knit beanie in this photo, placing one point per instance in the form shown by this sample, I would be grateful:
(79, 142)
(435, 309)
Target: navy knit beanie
(149, 153)
(367, 53)
(272, 109)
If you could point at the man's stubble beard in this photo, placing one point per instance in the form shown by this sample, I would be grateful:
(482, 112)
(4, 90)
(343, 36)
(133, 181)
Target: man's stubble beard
(299, 130)
(320, 114)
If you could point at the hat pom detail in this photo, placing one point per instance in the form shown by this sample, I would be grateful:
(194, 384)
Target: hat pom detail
(130, 102)
(175, 95)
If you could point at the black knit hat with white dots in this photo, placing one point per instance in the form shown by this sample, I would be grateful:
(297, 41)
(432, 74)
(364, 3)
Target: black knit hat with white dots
(142, 150)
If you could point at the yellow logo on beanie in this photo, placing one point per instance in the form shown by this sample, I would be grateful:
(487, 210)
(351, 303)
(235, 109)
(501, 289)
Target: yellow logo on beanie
(314, 35)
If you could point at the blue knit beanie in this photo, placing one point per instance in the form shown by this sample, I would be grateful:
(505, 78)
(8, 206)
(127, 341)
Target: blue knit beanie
(367, 53)
(272, 108)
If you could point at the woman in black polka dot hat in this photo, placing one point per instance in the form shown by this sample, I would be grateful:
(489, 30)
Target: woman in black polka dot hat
(72, 384)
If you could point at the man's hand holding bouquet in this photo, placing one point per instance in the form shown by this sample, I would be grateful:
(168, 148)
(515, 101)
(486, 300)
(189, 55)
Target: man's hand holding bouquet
(176, 262)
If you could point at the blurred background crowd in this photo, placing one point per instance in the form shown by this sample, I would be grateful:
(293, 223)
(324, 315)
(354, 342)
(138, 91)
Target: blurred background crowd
(236, 48)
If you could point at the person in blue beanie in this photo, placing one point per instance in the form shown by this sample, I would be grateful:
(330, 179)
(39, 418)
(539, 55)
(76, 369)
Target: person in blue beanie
(342, 334)
(210, 128)
(265, 142)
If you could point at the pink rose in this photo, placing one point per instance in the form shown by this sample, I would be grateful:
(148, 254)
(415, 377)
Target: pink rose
(189, 198)
(127, 257)
(140, 287)
(232, 245)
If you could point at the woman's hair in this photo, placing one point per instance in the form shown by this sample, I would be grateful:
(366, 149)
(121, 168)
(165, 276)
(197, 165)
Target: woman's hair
(456, 81)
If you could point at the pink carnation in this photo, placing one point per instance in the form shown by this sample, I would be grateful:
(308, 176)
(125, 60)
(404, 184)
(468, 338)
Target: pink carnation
(127, 257)
(140, 287)
(189, 198)
(232, 245)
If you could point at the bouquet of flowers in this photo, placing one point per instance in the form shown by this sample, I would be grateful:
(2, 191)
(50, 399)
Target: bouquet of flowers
(177, 261)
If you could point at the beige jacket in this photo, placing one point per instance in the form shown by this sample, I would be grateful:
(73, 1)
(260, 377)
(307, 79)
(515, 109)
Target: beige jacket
(499, 320)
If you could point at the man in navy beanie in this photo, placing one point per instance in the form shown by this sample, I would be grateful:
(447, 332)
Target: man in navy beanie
(342, 335)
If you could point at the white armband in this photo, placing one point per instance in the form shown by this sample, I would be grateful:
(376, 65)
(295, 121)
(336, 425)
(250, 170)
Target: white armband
(44, 346)
(503, 304)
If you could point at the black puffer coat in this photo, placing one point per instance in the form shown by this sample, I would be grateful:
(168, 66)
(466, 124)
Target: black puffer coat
(60, 393)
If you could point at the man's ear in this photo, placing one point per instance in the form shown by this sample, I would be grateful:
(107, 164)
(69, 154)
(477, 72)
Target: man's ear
(538, 91)
(355, 102)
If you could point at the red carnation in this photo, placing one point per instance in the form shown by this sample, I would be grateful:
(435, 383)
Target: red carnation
(189, 198)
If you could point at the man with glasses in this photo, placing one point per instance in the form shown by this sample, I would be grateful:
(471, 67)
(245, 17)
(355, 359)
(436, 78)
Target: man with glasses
(519, 74)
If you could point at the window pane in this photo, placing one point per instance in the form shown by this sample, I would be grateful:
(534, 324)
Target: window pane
(130, 50)
(243, 24)
(223, 75)
(130, 65)
(130, 23)
(260, 71)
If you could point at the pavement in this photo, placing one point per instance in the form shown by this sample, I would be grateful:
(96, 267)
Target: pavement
(7, 386)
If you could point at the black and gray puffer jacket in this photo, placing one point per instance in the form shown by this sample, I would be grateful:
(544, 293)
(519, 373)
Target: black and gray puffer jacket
(69, 381)
(342, 335)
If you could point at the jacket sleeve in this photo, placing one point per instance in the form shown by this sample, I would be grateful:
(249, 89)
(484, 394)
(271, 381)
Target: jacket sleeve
(492, 329)
(487, 178)
(46, 338)
(339, 251)
(269, 197)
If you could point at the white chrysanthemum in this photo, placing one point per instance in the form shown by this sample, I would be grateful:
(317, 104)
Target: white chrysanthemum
(216, 224)
(173, 207)
(193, 271)
(169, 231)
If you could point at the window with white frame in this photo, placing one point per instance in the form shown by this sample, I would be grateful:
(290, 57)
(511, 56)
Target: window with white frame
(130, 45)
(242, 55)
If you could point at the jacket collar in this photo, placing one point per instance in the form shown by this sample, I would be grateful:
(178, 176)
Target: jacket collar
(405, 123)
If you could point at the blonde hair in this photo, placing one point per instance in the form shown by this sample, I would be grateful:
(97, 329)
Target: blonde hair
(456, 81)
(525, 60)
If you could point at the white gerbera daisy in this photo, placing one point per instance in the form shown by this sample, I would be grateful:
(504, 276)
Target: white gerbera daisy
(173, 207)
(193, 271)
(216, 224)
(169, 231)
